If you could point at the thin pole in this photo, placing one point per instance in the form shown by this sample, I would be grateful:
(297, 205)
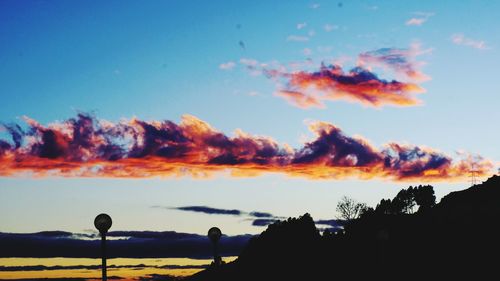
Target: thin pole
(216, 255)
(103, 247)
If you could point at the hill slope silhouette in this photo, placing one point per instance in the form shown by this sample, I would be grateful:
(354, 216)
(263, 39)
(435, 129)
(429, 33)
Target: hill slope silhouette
(456, 238)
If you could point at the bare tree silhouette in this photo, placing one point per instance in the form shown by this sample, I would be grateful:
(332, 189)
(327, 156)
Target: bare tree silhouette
(349, 209)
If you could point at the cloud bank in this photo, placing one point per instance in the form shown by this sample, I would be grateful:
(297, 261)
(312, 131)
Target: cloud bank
(87, 147)
(126, 244)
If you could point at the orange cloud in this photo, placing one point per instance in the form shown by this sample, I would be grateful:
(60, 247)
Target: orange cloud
(87, 147)
(300, 99)
(309, 89)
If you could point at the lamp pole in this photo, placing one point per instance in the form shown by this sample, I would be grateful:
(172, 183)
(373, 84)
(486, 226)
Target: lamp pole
(214, 235)
(103, 251)
(103, 223)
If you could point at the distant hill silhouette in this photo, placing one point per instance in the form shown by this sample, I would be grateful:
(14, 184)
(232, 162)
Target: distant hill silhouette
(458, 237)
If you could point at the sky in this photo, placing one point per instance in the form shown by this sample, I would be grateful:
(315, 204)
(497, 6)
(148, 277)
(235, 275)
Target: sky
(250, 106)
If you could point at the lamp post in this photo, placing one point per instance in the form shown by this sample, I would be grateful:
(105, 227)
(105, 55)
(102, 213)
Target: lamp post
(214, 235)
(103, 222)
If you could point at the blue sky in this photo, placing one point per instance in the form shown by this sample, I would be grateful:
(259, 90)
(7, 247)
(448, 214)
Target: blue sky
(158, 60)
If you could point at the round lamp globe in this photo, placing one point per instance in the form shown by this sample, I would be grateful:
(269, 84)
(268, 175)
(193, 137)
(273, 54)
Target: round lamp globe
(214, 234)
(103, 222)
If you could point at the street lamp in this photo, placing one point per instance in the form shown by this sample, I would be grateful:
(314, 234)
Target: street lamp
(214, 235)
(103, 222)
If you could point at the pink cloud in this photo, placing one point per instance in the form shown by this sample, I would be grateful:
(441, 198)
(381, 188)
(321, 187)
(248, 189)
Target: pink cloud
(402, 61)
(416, 21)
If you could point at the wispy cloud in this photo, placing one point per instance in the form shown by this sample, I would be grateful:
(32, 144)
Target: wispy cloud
(300, 99)
(209, 210)
(301, 25)
(263, 222)
(460, 39)
(257, 218)
(219, 211)
(297, 38)
(420, 18)
(416, 21)
(252, 65)
(329, 27)
(402, 61)
(261, 215)
(227, 65)
(87, 147)
(249, 62)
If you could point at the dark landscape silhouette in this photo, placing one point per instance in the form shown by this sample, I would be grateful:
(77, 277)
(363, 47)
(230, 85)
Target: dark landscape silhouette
(407, 236)
(460, 235)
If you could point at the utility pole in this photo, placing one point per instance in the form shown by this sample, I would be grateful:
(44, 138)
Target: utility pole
(473, 175)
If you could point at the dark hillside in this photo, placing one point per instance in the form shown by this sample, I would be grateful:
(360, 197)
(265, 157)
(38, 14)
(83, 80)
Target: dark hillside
(458, 236)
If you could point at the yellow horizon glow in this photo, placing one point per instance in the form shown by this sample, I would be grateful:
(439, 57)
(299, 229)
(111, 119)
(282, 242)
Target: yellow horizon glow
(127, 273)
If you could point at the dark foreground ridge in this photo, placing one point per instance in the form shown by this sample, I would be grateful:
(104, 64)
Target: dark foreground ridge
(458, 236)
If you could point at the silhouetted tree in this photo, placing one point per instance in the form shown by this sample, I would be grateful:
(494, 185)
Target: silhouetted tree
(424, 197)
(404, 202)
(366, 211)
(349, 209)
(384, 207)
